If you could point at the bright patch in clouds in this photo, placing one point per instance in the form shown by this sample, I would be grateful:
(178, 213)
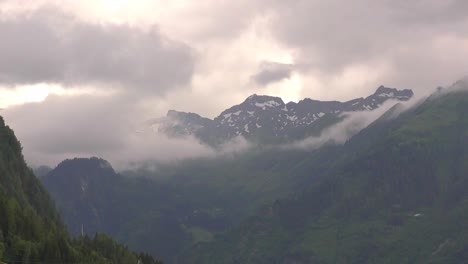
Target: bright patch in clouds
(26, 94)
(39, 92)
(288, 89)
(115, 4)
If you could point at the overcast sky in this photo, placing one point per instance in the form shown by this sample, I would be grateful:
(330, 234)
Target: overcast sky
(94, 69)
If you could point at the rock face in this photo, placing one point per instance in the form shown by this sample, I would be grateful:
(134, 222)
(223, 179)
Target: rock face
(268, 118)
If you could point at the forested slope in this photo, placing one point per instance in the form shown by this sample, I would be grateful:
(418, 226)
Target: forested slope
(31, 230)
(401, 199)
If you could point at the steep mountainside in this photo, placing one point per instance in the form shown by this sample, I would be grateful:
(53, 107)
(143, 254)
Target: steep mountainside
(91, 198)
(167, 211)
(402, 198)
(269, 119)
(30, 228)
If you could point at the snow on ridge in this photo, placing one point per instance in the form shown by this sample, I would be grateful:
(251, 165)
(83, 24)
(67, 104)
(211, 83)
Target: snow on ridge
(391, 94)
(291, 118)
(266, 104)
(230, 114)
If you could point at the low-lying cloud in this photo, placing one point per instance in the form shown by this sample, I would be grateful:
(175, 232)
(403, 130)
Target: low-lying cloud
(87, 125)
(341, 132)
(107, 126)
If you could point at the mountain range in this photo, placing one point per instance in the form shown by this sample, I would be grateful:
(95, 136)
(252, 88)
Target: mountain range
(264, 118)
(202, 197)
(395, 192)
(399, 195)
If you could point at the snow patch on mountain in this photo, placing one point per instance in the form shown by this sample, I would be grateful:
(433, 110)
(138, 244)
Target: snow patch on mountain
(267, 104)
(276, 118)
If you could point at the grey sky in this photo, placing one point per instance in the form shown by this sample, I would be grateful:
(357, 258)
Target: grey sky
(204, 56)
(50, 46)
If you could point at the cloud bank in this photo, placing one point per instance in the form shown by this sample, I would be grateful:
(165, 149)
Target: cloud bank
(84, 125)
(49, 46)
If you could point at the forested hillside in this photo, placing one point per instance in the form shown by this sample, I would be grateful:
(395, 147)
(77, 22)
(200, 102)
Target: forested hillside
(401, 197)
(378, 188)
(31, 230)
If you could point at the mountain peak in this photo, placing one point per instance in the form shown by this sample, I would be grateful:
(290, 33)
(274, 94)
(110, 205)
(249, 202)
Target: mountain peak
(270, 117)
(254, 98)
(173, 113)
(383, 91)
(86, 165)
(182, 115)
(461, 84)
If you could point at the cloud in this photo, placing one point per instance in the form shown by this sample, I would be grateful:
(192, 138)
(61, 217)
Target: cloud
(337, 33)
(350, 48)
(415, 44)
(107, 126)
(49, 46)
(350, 126)
(271, 72)
(187, 51)
(88, 125)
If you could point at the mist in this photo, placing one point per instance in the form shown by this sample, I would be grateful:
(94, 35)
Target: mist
(352, 124)
(63, 127)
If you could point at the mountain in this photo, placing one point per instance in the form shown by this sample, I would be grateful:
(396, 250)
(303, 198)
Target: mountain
(92, 197)
(31, 230)
(200, 198)
(399, 195)
(393, 193)
(83, 178)
(268, 119)
(167, 210)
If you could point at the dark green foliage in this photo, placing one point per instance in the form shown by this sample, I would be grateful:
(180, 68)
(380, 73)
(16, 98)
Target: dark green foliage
(136, 211)
(31, 230)
(398, 196)
(166, 211)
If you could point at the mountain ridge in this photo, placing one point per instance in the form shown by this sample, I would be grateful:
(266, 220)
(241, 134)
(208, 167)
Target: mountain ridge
(268, 118)
(399, 198)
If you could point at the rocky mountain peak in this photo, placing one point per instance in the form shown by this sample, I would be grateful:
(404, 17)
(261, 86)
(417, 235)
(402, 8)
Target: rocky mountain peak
(269, 117)
(263, 101)
(387, 92)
